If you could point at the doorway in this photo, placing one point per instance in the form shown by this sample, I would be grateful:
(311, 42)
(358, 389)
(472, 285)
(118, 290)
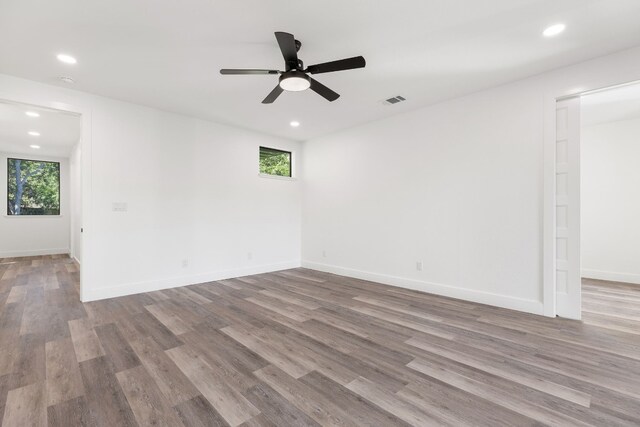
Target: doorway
(610, 207)
(595, 238)
(41, 182)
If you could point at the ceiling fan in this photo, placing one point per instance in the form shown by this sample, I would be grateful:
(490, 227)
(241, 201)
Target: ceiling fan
(296, 78)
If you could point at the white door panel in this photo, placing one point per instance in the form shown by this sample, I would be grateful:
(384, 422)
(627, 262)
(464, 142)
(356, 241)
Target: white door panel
(567, 221)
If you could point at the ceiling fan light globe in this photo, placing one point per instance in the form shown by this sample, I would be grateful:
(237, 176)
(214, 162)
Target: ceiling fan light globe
(295, 81)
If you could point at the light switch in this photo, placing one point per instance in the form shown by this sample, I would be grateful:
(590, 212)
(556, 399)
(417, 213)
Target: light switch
(119, 207)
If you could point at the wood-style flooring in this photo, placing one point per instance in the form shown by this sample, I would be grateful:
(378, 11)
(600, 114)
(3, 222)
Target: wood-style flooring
(300, 347)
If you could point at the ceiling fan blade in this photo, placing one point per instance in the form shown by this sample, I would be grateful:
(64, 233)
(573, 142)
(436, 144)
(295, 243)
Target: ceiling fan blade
(273, 95)
(288, 48)
(340, 65)
(323, 91)
(236, 71)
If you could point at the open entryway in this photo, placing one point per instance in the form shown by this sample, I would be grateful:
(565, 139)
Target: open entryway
(41, 182)
(597, 225)
(610, 208)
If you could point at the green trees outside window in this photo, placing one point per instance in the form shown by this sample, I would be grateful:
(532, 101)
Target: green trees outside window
(275, 162)
(33, 187)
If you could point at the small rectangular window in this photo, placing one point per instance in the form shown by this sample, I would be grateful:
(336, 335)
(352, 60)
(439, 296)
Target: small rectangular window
(275, 162)
(33, 187)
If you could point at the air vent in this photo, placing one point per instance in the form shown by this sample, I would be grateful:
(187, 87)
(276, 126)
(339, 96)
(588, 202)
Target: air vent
(394, 100)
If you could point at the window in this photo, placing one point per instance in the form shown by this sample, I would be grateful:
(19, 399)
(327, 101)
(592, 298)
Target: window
(33, 187)
(275, 162)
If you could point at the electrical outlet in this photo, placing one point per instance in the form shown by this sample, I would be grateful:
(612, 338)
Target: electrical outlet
(419, 265)
(185, 263)
(249, 256)
(324, 254)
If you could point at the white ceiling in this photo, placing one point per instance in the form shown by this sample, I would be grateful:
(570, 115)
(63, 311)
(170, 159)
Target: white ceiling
(612, 105)
(167, 53)
(59, 131)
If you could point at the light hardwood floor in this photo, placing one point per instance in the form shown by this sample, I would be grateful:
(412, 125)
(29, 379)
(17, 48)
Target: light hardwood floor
(301, 347)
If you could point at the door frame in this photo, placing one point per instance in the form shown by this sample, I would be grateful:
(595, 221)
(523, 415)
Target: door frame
(568, 295)
(550, 101)
(84, 113)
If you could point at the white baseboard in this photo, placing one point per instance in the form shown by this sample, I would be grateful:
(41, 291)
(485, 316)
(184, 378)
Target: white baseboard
(76, 260)
(157, 285)
(611, 276)
(36, 252)
(504, 301)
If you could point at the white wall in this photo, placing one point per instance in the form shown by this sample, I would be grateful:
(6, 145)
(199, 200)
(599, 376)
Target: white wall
(192, 191)
(610, 154)
(459, 186)
(464, 193)
(75, 171)
(34, 235)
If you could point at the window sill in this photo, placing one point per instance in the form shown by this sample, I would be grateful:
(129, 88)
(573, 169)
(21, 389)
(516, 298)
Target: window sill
(282, 178)
(33, 216)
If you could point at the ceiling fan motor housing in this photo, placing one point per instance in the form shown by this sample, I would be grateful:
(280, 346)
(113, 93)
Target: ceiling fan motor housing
(293, 65)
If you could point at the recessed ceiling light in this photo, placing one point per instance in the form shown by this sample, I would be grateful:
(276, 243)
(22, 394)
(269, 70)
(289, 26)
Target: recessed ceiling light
(32, 114)
(67, 59)
(554, 30)
(67, 79)
(294, 124)
(35, 147)
(34, 133)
